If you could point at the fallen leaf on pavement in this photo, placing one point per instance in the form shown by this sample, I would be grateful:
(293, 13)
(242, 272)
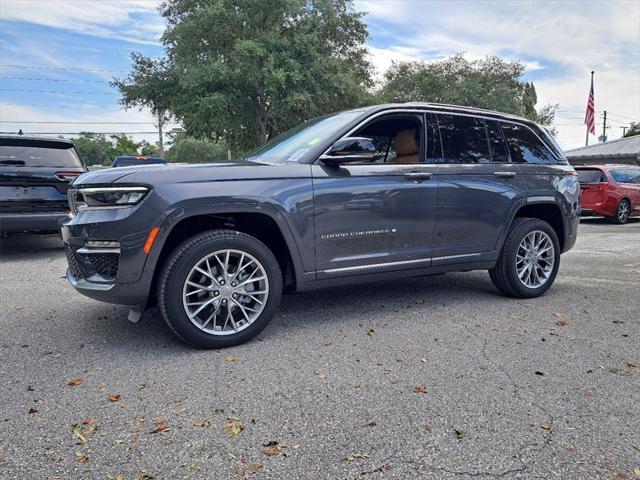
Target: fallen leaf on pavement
(538, 372)
(161, 426)
(561, 322)
(370, 332)
(356, 456)
(233, 428)
(459, 434)
(423, 360)
(74, 382)
(295, 446)
(420, 389)
(33, 410)
(204, 424)
(230, 359)
(319, 374)
(114, 397)
(371, 424)
(82, 457)
(77, 432)
(546, 426)
(636, 472)
(632, 365)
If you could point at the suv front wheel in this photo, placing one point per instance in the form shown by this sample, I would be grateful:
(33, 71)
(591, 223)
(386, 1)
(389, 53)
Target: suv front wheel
(219, 288)
(529, 261)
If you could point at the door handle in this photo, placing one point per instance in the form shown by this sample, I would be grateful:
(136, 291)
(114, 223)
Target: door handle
(417, 175)
(505, 174)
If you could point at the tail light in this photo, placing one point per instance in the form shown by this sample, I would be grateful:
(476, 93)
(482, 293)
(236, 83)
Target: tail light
(595, 185)
(67, 176)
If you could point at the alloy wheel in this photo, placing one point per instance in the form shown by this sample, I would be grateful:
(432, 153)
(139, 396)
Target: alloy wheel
(623, 211)
(225, 292)
(535, 259)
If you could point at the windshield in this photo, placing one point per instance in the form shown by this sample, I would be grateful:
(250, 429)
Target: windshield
(291, 145)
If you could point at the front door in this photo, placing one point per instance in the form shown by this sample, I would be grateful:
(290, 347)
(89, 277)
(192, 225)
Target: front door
(377, 216)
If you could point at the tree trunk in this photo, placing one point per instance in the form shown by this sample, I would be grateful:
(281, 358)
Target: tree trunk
(261, 130)
(160, 139)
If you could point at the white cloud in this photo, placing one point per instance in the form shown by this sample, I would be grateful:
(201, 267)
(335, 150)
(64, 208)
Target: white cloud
(561, 42)
(134, 21)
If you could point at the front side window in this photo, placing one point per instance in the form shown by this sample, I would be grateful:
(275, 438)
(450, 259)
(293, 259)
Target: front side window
(524, 145)
(464, 139)
(397, 137)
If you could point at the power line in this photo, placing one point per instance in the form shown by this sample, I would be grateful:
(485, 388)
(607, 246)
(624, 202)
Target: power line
(56, 91)
(38, 67)
(78, 123)
(52, 80)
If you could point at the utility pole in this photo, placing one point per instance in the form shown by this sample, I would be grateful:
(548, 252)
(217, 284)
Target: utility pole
(624, 131)
(160, 139)
(604, 127)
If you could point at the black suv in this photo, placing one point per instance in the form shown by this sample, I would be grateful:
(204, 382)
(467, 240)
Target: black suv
(34, 177)
(375, 193)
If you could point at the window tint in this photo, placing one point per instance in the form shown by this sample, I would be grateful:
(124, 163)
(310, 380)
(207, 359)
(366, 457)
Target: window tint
(464, 139)
(525, 146)
(499, 153)
(591, 176)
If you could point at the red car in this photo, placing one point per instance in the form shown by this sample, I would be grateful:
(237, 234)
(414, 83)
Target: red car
(610, 190)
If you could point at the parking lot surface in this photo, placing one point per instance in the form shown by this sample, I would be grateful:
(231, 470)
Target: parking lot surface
(436, 377)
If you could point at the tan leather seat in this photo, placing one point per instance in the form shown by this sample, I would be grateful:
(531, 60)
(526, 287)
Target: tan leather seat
(407, 148)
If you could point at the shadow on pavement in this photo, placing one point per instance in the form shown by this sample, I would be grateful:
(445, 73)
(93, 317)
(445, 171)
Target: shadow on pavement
(32, 246)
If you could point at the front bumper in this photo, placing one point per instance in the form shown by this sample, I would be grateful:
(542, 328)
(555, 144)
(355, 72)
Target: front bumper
(113, 275)
(31, 222)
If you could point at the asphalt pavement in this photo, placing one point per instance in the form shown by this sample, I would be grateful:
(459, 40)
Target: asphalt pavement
(434, 377)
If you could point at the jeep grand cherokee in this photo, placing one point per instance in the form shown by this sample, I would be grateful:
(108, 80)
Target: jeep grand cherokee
(369, 194)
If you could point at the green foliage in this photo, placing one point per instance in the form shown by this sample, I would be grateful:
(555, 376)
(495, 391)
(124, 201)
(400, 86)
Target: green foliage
(245, 71)
(96, 149)
(192, 150)
(491, 83)
(634, 129)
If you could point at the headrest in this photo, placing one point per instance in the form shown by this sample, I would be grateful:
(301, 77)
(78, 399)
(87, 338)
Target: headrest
(406, 142)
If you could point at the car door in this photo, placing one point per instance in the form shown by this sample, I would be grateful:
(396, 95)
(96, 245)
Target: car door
(376, 216)
(478, 188)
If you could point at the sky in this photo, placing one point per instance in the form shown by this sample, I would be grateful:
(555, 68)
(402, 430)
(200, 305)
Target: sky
(57, 57)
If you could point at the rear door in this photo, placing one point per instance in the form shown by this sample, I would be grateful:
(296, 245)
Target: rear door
(35, 175)
(478, 187)
(628, 180)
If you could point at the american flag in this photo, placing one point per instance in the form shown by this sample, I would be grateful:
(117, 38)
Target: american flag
(590, 115)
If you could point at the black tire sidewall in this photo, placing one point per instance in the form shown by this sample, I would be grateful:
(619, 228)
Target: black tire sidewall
(515, 237)
(180, 263)
(617, 217)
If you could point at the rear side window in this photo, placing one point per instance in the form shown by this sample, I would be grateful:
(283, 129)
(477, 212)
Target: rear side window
(464, 139)
(591, 176)
(54, 154)
(525, 146)
(499, 153)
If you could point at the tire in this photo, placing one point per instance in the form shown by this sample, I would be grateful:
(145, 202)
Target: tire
(504, 275)
(233, 317)
(622, 213)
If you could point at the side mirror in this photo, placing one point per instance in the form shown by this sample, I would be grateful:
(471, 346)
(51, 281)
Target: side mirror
(350, 149)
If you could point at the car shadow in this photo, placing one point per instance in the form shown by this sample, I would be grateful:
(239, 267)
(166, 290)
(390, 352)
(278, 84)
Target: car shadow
(604, 221)
(32, 246)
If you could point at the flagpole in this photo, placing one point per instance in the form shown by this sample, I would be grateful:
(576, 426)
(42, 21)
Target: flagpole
(586, 141)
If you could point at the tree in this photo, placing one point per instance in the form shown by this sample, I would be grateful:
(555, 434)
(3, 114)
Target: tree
(490, 83)
(94, 148)
(151, 84)
(634, 129)
(191, 150)
(246, 71)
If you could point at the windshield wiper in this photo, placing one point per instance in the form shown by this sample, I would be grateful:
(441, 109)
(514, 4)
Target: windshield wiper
(12, 162)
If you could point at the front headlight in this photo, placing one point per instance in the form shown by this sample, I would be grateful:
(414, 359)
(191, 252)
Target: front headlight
(111, 196)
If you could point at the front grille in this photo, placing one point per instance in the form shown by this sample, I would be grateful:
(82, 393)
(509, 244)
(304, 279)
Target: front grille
(105, 264)
(74, 267)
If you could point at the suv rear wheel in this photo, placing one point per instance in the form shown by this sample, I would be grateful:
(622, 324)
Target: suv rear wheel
(529, 261)
(219, 288)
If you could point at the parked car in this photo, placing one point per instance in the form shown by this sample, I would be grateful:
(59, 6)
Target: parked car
(612, 191)
(371, 194)
(128, 161)
(34, 177)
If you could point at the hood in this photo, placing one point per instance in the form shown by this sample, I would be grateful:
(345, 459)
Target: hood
(187, 173)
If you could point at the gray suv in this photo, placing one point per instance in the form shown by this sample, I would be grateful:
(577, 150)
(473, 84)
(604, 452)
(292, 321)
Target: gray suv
(377, 193)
